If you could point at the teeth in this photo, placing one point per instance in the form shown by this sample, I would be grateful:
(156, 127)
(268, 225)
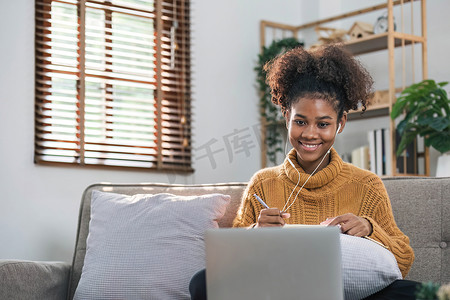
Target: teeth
(309, 146)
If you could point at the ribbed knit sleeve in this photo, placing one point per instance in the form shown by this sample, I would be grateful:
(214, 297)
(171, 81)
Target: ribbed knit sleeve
(250, 208)
(385, 229)
(246, 215)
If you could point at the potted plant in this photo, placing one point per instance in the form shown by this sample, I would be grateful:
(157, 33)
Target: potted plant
(269, 112)
(425, 108)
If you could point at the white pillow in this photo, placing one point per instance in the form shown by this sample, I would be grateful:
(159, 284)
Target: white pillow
(366, 267)
(146, 246)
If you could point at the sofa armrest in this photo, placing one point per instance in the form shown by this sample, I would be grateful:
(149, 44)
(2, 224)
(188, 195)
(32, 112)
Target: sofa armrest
(33, 280)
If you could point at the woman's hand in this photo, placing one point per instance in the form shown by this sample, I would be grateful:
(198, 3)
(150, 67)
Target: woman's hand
(352, 225)
(272, 217)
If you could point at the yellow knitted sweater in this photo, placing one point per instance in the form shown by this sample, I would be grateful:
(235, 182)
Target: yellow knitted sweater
(337, 189)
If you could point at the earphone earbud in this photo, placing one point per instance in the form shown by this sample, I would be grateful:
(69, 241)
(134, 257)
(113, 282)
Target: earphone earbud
(337, 131)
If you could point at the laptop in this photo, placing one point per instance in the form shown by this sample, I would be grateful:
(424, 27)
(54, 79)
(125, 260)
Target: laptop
(294, 262)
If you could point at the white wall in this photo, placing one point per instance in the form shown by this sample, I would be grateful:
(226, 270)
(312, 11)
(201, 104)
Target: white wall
(39, 204)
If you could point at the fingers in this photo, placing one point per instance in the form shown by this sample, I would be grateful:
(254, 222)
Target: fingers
(272, 217)
(358, 230)
(339, 220)
(352, 225)
(285, 215)
(327, 221)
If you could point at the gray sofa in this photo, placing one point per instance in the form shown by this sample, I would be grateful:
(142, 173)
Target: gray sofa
(421, 208)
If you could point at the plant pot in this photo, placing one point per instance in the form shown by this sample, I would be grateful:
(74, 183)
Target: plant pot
(443, 165)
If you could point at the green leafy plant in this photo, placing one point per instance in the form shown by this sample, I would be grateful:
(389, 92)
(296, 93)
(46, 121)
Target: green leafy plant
(426, 109)
(274, 140)
(427, 291)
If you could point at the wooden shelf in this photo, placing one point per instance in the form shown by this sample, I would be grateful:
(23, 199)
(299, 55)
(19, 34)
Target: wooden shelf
(373, 112)
(379, 42)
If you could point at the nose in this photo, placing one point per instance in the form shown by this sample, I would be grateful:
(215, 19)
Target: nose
(310, 132)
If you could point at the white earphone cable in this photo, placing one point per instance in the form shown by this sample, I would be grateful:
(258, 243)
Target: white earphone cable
(301, 188)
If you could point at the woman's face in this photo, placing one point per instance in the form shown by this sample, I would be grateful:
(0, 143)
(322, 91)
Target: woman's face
(312, 125)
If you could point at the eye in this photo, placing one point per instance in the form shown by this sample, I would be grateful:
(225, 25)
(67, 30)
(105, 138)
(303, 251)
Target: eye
(323, 125)
(300, 122)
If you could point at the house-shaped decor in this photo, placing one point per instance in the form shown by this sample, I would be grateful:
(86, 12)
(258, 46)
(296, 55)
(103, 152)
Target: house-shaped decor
(360, 30)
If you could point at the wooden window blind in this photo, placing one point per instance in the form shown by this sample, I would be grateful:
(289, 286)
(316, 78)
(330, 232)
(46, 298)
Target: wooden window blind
(113, 83)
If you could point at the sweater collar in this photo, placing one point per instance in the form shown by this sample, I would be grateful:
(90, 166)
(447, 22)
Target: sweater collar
(319, 179)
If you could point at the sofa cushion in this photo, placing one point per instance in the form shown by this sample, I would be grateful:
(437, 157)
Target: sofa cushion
(366, 267)
(235, 190)
(146, 246)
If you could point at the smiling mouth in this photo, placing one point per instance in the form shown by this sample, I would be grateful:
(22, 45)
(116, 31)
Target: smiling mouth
(310, 147)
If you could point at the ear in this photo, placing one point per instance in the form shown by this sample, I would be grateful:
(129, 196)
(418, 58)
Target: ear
(342, 123)
(287, 116)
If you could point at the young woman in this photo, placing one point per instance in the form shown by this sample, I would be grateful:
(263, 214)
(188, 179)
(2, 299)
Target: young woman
(315, 89)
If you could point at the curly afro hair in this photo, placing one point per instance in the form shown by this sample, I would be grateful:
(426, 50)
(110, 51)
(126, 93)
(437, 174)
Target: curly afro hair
(328, 72)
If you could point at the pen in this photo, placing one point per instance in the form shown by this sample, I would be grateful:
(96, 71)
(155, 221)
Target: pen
(261, 201)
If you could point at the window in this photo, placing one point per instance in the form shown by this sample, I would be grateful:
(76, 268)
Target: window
(113, 85)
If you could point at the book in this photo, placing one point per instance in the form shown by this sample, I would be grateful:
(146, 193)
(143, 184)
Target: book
(365, 160)
(383, 152)
(360, 157)
(372, 156)
(379, 151)
(388, 146)
(407, 161)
